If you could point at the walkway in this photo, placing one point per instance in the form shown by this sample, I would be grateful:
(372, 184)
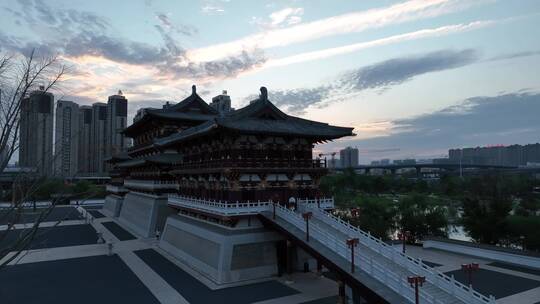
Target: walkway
(64, 271)
(380, 261)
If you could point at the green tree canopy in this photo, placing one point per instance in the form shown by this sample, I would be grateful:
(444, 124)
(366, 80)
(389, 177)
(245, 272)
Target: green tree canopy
(376, 215)
(422, 216)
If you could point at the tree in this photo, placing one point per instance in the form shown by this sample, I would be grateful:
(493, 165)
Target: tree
(422, 217)
(484, 220)
(341, 186)
(524, 231)
(529, 204)
(449, 185)
(376, 215)
(19, 76)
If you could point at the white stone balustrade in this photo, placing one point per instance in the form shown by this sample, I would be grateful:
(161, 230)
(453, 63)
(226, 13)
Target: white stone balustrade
(323, 203)
(416, 266)
(219, 207)
(376, 267)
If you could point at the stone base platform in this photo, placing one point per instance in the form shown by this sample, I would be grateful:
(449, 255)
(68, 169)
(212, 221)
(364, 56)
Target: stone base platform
(113, 205)
(144, 213)
(223, 255)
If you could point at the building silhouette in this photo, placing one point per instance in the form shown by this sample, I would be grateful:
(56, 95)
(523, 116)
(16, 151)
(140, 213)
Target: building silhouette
(36, 132)
(84, 136)
(513, 155)
(348, 157)
(116, 122)
(98, 140)
(222, 102)
(66, 138)
(85, 140)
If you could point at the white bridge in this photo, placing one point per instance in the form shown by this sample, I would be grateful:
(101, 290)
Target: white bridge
(374, 257)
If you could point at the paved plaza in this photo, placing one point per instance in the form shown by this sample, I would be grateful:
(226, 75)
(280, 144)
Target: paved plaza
(508, 283)
(66, 264)
(29, 215)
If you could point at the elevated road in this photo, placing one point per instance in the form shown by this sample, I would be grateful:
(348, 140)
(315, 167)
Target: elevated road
(431, 166)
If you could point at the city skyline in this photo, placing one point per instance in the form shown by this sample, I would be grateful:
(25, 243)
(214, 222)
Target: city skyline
(414, 78)
(83, 137)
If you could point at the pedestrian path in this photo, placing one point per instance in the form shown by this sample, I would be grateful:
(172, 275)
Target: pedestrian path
(120, 261)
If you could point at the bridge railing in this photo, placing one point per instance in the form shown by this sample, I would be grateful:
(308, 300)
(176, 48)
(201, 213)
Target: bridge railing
(323, 203)
(374, 268)
(221, 208)
(414, 265)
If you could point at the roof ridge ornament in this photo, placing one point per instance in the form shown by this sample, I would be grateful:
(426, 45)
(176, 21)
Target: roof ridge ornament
(193, 89)
(264, 94)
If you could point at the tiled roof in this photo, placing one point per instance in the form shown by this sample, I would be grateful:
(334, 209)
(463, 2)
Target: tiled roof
(261, 116)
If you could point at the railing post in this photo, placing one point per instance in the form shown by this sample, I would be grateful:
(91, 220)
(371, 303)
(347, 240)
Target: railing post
(352, 242)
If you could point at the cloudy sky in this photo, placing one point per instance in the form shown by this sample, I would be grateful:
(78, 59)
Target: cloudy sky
(413, 77)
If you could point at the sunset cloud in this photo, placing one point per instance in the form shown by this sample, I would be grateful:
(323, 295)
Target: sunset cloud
(378, 76)
(476, 121)
(420, 34)
(336, 25)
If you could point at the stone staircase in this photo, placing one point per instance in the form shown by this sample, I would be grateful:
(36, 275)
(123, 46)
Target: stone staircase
(381, 261)
(429, 290)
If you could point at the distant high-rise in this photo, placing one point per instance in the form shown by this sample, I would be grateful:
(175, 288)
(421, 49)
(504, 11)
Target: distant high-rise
(222, 102)
(514, 155)
(66, 138)
(36, 132)
(116, 122)
(348, 157)
(85, 140)
(98, 142)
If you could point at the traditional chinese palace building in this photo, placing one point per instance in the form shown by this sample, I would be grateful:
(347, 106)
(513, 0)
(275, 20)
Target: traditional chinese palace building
(198, 173)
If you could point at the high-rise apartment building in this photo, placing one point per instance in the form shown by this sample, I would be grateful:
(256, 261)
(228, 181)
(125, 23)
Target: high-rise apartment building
(514, 155)
(36, 132)
(66, 138)
(116, 122)
(98, 142)
(222, 102)
(85, 140)
(348, 157)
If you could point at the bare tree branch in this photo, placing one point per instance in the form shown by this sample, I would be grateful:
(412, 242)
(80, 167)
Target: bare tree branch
(18, 78)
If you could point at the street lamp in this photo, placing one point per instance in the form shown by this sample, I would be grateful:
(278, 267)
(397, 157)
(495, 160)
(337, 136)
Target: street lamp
(352, 242)
(404, 236)
(307, 216)
(469, 269)
(415, 282)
